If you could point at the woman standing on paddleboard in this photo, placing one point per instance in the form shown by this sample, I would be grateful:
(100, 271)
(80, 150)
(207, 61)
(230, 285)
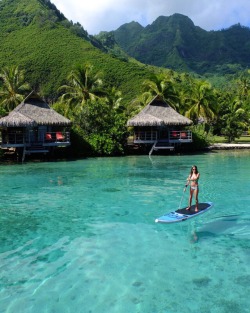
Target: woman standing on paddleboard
(192, 180)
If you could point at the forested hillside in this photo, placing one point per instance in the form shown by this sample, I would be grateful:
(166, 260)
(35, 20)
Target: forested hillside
(95, 84)
(175, 42)
(35, 36)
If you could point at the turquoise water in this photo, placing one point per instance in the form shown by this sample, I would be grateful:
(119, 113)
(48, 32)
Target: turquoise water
(80, 236)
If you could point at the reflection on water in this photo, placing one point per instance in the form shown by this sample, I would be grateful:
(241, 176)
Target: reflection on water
(80, 236)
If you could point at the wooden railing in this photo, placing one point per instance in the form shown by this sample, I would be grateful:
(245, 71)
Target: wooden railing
(15, 138)
(180, 135)
(170, 136)
(30, 138)
(145, 136)
(50, 137)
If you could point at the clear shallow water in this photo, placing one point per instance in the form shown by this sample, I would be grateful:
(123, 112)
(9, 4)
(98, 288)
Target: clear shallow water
(80, 236)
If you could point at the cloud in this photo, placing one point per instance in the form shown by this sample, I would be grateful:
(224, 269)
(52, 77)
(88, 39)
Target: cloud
(107, 15)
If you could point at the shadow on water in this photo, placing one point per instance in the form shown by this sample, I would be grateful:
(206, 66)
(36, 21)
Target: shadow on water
(231, 225)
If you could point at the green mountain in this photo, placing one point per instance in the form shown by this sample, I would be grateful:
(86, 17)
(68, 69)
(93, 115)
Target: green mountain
(38, 38)
(175, 42)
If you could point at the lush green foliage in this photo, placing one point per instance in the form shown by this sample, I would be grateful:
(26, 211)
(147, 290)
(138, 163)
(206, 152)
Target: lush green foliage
(234, 119)
(101, 125)
(202, 136)
(97, 113)
(105, 128)
(13, 88)
(37, 38)
(95, 84)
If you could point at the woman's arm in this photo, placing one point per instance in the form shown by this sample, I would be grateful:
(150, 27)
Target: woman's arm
(188, 181)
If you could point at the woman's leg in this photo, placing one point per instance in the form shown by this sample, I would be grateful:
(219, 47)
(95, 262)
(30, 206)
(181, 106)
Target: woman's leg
(196, 200)
(190, 199)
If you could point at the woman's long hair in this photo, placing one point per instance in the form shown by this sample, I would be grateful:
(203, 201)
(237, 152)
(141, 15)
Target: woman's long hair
(196, 170)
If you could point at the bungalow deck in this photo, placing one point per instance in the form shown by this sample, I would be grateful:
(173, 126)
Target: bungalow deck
(159, 142)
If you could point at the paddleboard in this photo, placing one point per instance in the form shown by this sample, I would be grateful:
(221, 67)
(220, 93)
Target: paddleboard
(181, 215)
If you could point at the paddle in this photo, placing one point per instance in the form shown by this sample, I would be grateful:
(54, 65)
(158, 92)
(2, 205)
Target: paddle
(184, 190)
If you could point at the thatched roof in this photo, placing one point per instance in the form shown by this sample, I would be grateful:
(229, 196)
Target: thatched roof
(33, 112)
(158, 113)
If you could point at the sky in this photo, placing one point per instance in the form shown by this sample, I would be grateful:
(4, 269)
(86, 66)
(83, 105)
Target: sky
(108, 15)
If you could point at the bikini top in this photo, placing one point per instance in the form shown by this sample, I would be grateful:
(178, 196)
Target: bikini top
(194, 180)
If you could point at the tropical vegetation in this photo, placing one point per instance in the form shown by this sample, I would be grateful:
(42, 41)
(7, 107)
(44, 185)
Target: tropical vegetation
(13, 88)
(99, 90)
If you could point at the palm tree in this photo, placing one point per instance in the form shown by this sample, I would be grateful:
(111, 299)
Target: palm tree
(13, 88)
(243, 90)
(163, 85)
(185, 86)
(83, 85)
(136, 105)
(235, 120)
(243, 85)
(201, 100)
(114, 98)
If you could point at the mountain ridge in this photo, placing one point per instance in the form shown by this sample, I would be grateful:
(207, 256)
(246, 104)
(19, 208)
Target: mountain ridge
(175, 42)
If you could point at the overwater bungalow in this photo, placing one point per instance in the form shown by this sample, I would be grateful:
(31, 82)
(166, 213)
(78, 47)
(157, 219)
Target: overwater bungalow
(33, 127)
(161, 126)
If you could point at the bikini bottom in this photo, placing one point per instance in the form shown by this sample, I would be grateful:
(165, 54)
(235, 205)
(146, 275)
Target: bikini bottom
(194, 187)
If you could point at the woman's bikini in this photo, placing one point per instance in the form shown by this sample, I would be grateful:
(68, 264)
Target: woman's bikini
(195, 181)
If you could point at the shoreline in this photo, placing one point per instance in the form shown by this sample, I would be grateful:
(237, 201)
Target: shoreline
(229, 146)
(213, 147)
